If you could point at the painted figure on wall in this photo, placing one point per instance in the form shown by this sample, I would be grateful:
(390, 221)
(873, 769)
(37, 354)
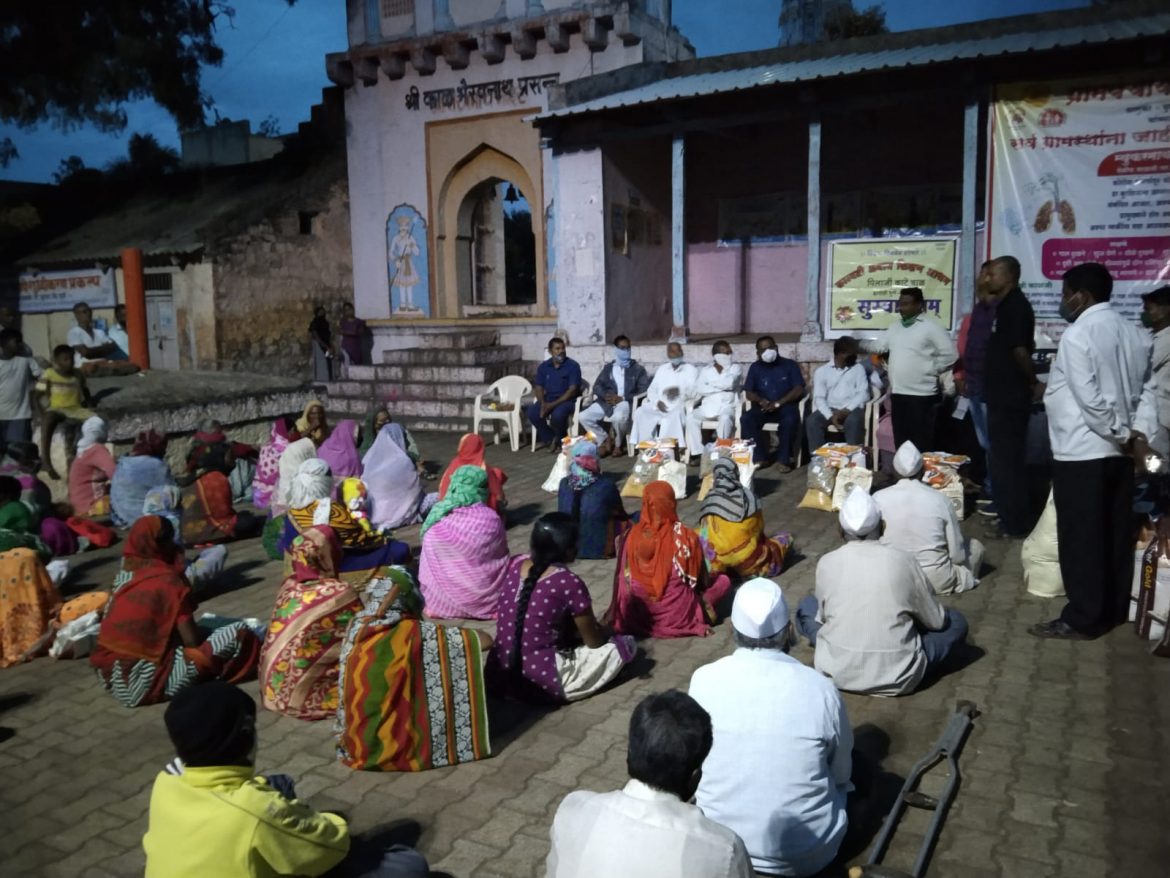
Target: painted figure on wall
(406, 241)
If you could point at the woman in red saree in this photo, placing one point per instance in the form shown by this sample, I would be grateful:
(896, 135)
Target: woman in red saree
(149, 647)
(470, 453)
(660, 587)
(208, 515)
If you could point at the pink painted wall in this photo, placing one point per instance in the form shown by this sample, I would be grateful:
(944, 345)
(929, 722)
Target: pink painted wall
(735, 289)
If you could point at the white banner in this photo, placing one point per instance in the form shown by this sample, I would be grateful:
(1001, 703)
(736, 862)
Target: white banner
(61, 290)
(1080, 172)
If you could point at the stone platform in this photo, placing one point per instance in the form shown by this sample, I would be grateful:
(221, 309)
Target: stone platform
(1064, 776)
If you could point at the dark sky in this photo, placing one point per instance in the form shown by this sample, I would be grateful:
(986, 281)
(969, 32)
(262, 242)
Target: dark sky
(274, 64)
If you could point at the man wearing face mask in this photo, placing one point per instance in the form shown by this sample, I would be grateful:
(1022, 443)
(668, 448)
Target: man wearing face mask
(558, 383)
(1010, 386)
(774, 387)
(840, 392)
(920, 350)
(662, 412)
(716, 390)
(1101, 403)
(619, 382)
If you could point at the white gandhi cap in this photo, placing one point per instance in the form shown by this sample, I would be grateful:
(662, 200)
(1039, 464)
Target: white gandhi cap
(759, 610)
(859, 514)
(908, 461)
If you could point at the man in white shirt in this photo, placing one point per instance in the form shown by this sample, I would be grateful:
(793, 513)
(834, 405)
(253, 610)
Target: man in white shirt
(662, 412)
(920, 520)
(1101, 404)
(18, 375)
(840, 391)
(920, 350)
(716, 391)
(778, 775)
(619, 382)
(649, 829)
(118, 334)
(93, 352)
(874, 621)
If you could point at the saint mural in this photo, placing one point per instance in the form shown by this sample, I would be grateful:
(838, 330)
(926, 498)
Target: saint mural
(407, 262)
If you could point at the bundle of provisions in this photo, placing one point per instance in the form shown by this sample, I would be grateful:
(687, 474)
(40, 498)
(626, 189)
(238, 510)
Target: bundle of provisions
(942, 473)
(657, 461)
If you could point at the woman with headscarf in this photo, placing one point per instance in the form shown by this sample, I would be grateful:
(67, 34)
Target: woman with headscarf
(312, 424)
(471, 453)
(91, 471)
(660, 586)
(376, 419)
(411, 693)
(28, 601)
(340, 451)
(149, 647)
(135, 474)
(212, 451)
(396, 494)
(731, 527)
(290, 463)
(208, 515)
(464, 551)
(593, 501)
(323, 352)
(300, 658)
(268, 464)
(312, 504)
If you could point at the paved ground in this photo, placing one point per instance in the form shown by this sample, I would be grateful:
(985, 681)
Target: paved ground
(1065, 773)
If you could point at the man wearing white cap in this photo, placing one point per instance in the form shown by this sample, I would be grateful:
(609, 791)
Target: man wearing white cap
(875, 622)
(778, 773)
(921, 521)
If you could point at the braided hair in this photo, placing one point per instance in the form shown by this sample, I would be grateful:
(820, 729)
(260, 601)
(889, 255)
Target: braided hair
(553, 541)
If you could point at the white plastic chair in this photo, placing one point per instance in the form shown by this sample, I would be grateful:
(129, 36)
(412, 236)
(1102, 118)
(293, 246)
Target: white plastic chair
(711, 424)
(573, 422)
(587, 399)
(511, 389)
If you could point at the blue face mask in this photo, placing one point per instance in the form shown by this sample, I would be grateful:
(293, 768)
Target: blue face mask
(622, 356)
(677, 361)
(558, 358)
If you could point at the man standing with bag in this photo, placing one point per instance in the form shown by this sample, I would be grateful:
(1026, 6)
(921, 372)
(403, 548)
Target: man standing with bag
(1100, 403)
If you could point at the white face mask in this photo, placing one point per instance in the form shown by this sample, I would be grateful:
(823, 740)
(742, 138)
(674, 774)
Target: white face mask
(723, 360)
(769, 356)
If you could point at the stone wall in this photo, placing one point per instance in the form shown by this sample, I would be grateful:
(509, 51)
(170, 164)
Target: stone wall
(268, 279)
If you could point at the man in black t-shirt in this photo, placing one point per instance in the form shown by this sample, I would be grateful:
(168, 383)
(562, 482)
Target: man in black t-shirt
(1011, 387)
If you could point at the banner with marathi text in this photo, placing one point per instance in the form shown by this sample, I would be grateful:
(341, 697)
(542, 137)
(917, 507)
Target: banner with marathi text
(1080, 172)
(865, 278)
(61, 290)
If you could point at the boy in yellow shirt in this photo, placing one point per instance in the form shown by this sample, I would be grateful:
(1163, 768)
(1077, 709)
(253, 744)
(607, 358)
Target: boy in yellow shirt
(64, 400)
(212, 814)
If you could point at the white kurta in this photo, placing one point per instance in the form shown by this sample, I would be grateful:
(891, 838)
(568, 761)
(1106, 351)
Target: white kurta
(640, 831)
(778, 772)
(672, 387)
(872, 598)
(921, 521)
(715, 393)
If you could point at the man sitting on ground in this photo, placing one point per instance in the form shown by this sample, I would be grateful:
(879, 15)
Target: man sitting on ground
(920, 520)
(662, 412)
(874, 621)
(778, 774)
(94, 354)
(649, 829)
(715, 390)
(558, 383)
(211, 814)
(613, 392)
(840, 391)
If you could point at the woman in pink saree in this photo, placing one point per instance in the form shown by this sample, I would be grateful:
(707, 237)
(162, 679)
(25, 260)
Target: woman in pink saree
(392, 482)
(660, 587)
(464, 551)
(341, 453)
(268, 465)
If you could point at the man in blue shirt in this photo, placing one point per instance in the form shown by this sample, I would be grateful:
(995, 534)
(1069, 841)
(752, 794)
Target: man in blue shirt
(774, 387)
(558, 383)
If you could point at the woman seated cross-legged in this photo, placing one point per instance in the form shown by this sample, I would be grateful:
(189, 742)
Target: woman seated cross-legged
(549, 646)
(732, 528)
(464, 556)
(594, 502)
(661, 586)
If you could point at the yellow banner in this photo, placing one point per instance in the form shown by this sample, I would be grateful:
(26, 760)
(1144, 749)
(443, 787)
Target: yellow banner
(865, 278)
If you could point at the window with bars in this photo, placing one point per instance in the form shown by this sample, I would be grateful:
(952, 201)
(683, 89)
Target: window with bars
(158, 281)
(391, 8)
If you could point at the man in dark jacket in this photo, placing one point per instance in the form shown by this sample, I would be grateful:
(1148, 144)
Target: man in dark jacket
(613, 392)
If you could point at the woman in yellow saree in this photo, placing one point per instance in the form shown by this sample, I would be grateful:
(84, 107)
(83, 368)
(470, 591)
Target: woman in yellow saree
(732, 529)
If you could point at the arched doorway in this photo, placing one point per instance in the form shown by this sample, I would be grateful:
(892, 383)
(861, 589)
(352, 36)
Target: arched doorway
(496, 247)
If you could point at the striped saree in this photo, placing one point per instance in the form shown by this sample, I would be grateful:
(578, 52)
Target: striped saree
(411, 693)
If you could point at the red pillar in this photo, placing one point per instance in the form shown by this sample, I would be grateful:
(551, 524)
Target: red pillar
(134, 289)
